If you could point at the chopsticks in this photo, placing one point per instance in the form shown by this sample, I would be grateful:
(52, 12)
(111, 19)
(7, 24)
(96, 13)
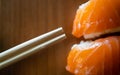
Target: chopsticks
(30, 47)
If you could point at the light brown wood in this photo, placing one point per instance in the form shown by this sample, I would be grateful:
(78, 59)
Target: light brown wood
(21, 20)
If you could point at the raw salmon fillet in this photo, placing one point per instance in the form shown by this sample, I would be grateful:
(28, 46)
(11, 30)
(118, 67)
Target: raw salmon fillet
(97, 17)
(99, 57)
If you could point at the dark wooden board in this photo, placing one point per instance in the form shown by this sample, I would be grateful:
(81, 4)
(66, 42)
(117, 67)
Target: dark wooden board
(21, 20)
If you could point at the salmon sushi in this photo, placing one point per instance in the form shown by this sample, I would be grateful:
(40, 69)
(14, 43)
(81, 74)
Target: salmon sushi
(99, 57)
(97, 17)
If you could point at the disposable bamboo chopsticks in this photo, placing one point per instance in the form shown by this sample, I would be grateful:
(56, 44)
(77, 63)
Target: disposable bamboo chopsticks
(30, 47)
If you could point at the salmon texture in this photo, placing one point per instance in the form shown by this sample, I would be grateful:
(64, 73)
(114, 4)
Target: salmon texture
(97, 17)
(99, 57)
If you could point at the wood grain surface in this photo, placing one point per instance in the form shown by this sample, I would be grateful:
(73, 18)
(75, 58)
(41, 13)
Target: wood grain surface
(21, 20)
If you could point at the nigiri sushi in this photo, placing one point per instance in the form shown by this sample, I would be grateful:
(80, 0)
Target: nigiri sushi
(97, 17)
(99, 57)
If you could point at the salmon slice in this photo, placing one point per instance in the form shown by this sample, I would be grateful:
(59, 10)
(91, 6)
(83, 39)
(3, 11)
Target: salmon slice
(97, 17)
(99, 57)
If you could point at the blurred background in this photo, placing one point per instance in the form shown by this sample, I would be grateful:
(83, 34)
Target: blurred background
(21, 20)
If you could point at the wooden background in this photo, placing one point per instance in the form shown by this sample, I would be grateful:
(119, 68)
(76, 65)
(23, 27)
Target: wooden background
(21, 20)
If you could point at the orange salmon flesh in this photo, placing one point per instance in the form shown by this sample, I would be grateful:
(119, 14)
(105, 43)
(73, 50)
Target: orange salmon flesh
(97, 17)
(99, 57)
